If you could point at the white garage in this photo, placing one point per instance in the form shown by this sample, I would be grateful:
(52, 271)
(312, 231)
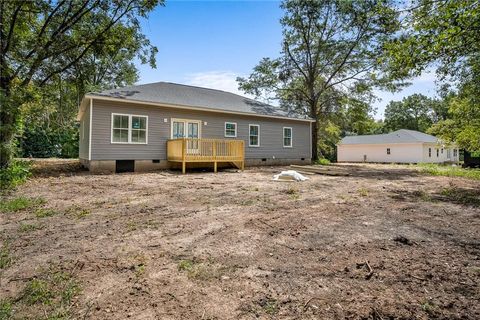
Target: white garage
(401, 146)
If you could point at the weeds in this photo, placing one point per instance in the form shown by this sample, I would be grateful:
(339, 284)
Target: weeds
(449, 171)
(363, 192)
(78, 211)
(20, 203)
(201, 270)
(5, 309)
(422, 195)
(5, 258)
(52, 289)
(45, 212)
(270, 306)
(15, 174)
(462, 196)
(25, 227)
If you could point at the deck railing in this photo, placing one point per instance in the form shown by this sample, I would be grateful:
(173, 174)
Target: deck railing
(206, 150)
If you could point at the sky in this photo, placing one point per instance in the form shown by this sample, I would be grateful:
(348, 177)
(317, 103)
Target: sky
(210, 43)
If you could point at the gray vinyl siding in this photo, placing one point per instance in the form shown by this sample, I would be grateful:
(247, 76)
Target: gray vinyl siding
(84, 136)
(271, 132)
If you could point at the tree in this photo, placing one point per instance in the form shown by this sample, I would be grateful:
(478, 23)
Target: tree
(330, 53)
(40, 40)
(444, 34)
(463, 123)
(415, 112)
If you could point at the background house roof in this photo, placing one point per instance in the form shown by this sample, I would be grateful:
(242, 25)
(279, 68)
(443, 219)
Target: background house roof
(399, 136)
(184, 95)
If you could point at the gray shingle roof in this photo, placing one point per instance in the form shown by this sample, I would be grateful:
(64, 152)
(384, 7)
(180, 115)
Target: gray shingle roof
(185, 95)
(399, 136)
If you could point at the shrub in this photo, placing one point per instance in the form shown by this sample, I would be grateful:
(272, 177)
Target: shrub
(323, 162)
(14, 175)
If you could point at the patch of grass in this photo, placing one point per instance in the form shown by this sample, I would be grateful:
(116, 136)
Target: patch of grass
(429, 307)
(449, 171)
(37, 291)
(53, 290)
(26, 227)
(269, 305)
(5, 257)
(78, 211)
(45, 212)
(323, 162)
(422, 195)
(20, 203)
(462, 196)
(139, 270)
(5, 309)
(201, 270)
(363, 192)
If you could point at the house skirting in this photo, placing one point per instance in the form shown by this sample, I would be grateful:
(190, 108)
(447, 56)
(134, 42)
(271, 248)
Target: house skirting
(109, 166)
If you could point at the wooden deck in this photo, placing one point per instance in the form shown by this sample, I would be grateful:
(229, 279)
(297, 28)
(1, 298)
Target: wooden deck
(206, 150)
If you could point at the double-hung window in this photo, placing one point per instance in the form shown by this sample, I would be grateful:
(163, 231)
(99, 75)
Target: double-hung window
(253, 135)
(230, 130)
(388, 150)
(287, 137)
(429, 152)
(127, 128)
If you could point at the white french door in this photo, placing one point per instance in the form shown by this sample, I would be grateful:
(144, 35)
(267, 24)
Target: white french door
(182, 128)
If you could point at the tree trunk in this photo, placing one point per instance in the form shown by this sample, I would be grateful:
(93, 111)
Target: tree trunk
(7, 122)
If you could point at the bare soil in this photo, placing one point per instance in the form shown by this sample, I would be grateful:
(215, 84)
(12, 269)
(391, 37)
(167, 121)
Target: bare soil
(382, 243)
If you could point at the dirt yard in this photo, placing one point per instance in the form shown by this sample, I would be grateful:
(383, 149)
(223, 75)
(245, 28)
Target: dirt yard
(382, 243)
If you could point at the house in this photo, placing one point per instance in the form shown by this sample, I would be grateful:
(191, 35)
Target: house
(162, 125)
(401, 146)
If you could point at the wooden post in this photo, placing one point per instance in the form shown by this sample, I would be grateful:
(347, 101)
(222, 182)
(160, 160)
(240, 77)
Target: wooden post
(184, 145)
(214, 150)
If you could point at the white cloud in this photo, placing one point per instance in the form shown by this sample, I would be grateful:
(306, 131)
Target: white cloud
(220, 80)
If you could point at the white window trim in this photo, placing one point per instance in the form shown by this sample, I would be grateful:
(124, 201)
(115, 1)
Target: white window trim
(225, 130)
(291, 137)
(129, 128)
(172, 120)
(252, 145)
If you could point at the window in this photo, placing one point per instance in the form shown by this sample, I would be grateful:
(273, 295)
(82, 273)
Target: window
(388, 150)
(254, 135)
(455, 153)
(429, 152)
(442, 151)
(437, 152)
(287, 137)
(230, 129)
(129, 128)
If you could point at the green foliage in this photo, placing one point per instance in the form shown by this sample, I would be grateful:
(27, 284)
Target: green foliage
(449, 171)
(52, 53)
(20, 203)
(323, 162)
(329, 59)
(415, 112)
(444, 34)
(14, 175)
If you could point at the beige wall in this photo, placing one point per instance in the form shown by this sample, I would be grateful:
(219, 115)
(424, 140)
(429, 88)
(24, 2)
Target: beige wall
(399, 153)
